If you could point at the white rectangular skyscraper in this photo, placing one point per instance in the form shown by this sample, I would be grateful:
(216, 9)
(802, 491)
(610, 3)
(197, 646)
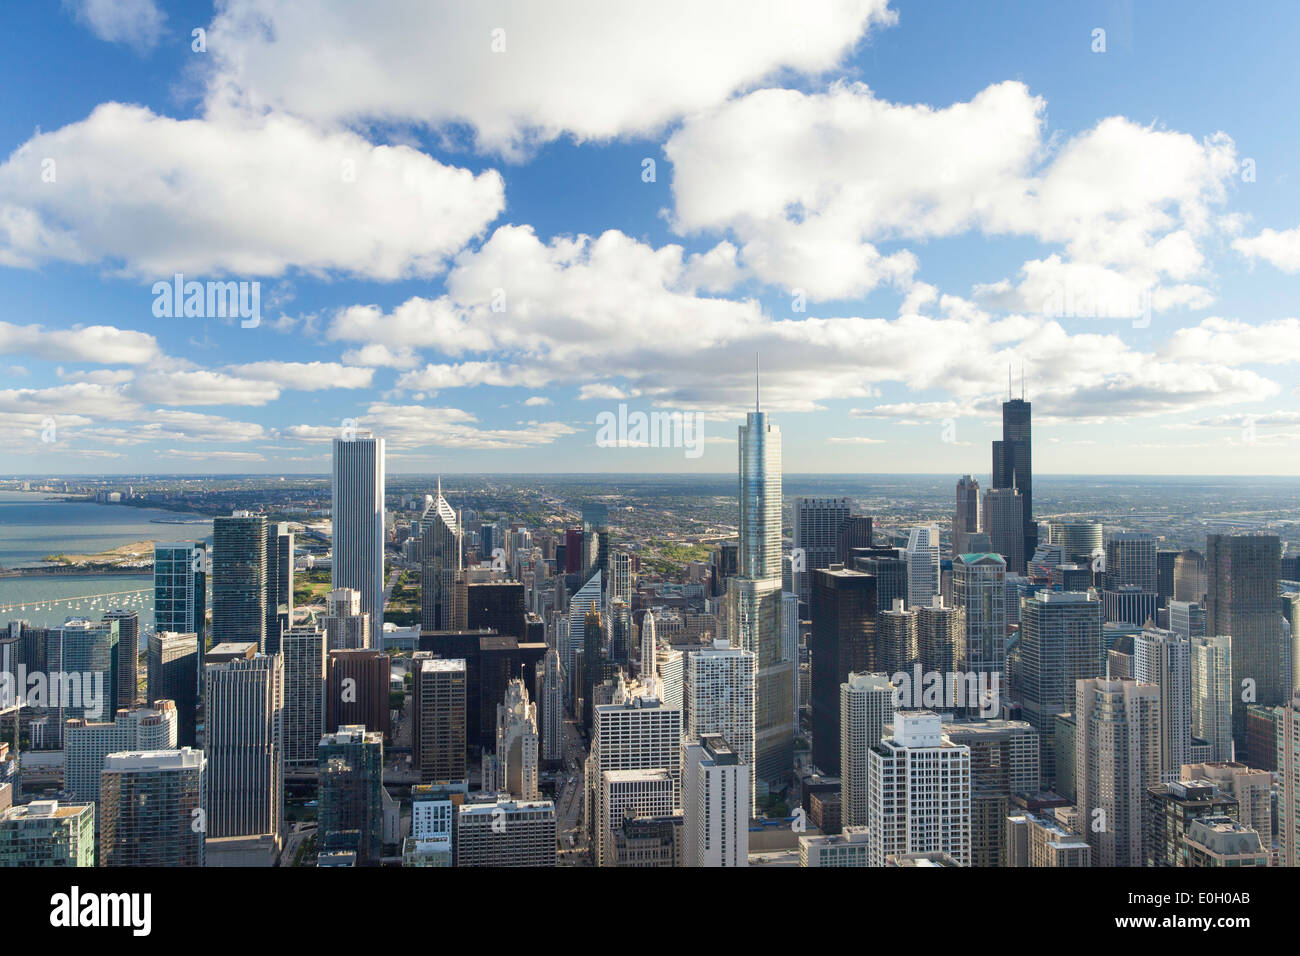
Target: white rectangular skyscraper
(358, 516)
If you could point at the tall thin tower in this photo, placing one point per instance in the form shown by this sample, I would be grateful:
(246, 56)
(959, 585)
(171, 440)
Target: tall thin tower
(754, 599)
(358, 515)
(1013, 459)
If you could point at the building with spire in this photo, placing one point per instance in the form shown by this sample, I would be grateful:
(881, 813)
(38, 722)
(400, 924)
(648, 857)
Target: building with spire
(1013, 463)
(754, 598)
(440, 551)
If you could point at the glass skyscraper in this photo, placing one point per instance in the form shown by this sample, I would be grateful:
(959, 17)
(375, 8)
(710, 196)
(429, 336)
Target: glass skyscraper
(358, 516)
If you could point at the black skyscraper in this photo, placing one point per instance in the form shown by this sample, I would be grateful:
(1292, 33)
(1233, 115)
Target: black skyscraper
(843, 640)
(1013, 463)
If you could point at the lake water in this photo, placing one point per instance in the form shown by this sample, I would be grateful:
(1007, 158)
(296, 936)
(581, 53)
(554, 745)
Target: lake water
(32, 526)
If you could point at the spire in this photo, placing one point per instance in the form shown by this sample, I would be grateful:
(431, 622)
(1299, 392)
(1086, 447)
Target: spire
(1008, 381)
(757, 366)
(440, 486)
(1022, 381)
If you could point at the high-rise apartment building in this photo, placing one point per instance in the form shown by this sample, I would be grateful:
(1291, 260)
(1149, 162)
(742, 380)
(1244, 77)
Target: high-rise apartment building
(1211, 668)
(358, 515)
(350, 774)
(980, 589)
(244, 746)
(303, 652)
(152, 809)
(715, 803)
(128, 650)
(896, 636)
(1187, 618)
(172, 667)
(47, 833)
(1039, 840)
(87, 743)
(719, 694)
(180, 582)
(638, 733)
(866, 706)
(1004, 761)
(1165, 659)
(1117, 757)
(918, 791)
(346, 628)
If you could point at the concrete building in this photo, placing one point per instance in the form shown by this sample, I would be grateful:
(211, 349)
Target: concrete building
(817, 523)
(173, 669)
(86, 744)
(850, 847)
(244, 745)
(1117, 756)
(719, 694)
(303, 650)
(346, 628)
(1222, 841)
(919, 791)
(1004, 761)
(1036, 840)
(625, 793)
(1211, 669)
(1164, 658)
(507, 833)
(922, 565)
(866, 706)
(513, 766)
(1170, 810)
(715, 803)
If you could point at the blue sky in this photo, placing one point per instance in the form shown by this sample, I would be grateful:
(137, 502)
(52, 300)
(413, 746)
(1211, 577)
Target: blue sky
(446, 213)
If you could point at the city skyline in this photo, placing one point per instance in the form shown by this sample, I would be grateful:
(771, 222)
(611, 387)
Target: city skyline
(628, 244)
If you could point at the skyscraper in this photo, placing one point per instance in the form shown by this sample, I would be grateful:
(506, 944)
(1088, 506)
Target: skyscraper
(719, 692)
(244, 746)
(87, 652)
(922, 565)
(128, 651)
(180, 576)
(1004, 525)
(279, 583)
(152, 808)
(843, 640)
(919, 791)
(1189, 576)
(1013, 468)
(346, 628)
(754, 601)
(350, 771)
(715, 804)
(1004, 761)
(438, 716)
(1165, 659)
(172, 674)
(357, 689)
(980, 588)
(896, 636)
(966, 516)
(816, 531)
(48, 833)
(86, 744)
(358, 516)
(1241, 600)
(866, 706)
(303, 651)
(441, 552)
(1117, 756)
(551, 718)
(1060, 644)
(239, 579)
(513, 766)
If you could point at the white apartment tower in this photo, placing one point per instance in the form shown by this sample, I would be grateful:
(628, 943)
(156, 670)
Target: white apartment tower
(918, 791)
(1165, 658)
(720, 699)
(1212, 694)
(866, 706)
(715, 803)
